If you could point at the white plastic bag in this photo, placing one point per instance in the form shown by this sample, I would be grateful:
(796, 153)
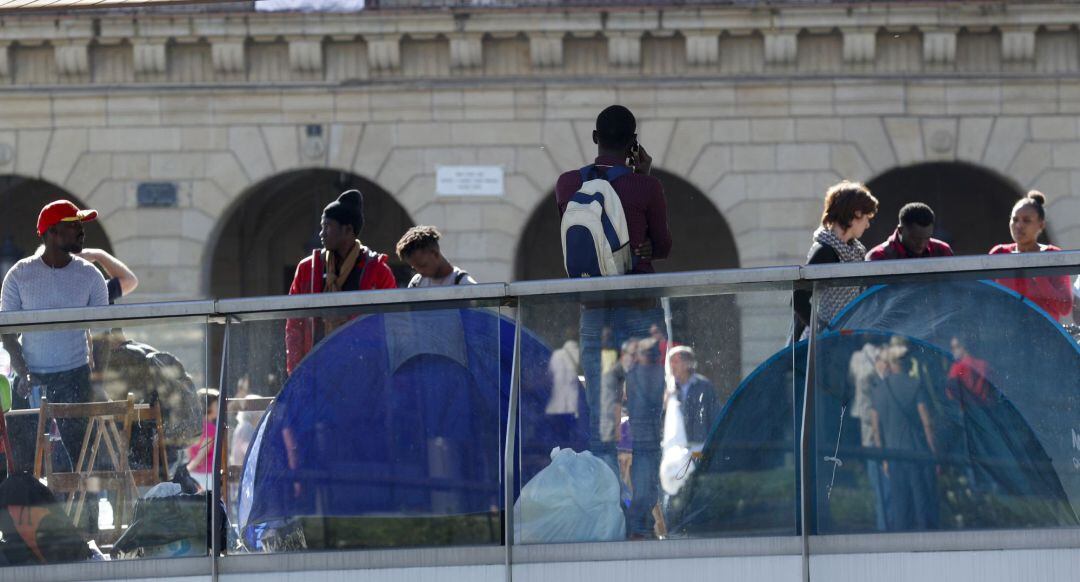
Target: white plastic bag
(574, 499)
(676, 463)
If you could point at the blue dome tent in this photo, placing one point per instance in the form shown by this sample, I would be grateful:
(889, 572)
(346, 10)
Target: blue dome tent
(401, 415)
(1004, 459)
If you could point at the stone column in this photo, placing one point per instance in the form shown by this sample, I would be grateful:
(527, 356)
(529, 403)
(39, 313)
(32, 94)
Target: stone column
(860, 45)
(383, 51)
(72, 57)
(546, 49)
(466, 50)
(1018, 45)
(5, 59)
(149, 56)
(781, 47)
(624, 49)
(305, 54)
(702, 47)
(939, 47)
(228, 54)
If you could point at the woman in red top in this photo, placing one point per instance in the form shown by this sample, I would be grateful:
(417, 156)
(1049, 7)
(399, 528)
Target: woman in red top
(1028, 221)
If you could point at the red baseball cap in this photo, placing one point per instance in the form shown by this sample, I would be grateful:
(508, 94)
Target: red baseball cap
(62, 211)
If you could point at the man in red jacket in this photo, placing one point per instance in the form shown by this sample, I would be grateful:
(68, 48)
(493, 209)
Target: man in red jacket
(342, 264)
(913, 238)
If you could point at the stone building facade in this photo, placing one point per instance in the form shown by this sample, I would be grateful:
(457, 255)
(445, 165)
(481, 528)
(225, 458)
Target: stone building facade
(254, 120)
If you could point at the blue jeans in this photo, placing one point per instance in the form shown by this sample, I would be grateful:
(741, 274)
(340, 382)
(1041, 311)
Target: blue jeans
(645, 477)
(625, 323)
(881, 493)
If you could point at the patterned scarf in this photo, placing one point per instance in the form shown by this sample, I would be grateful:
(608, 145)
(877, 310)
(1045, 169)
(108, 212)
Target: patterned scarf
(335, 281)
(336, 277)
(834, 299)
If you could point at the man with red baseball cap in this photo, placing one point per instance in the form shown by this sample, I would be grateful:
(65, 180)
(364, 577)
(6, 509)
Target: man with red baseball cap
(53, 364)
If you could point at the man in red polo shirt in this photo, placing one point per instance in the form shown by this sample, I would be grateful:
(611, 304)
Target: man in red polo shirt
(913, 238)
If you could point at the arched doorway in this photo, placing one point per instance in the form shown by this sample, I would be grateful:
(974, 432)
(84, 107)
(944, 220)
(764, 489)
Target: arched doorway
(971, 204)
(22, 199)
(701, 240)
(273, 226)
(276, 223)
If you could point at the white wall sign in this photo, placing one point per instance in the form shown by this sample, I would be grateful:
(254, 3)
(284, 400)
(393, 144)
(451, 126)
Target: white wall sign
(469, 181)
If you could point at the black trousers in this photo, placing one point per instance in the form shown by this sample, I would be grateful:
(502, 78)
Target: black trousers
(71, 386)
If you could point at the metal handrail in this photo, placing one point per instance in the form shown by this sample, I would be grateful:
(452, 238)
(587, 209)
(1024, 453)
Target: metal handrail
(724, 280)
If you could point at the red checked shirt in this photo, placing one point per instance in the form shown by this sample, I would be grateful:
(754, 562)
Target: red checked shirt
(894, 249)
(643, 203)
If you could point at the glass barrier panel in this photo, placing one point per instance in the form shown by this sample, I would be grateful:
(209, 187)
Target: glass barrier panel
(109, 457)
(949, 405)
(645, 417)
(358, 428)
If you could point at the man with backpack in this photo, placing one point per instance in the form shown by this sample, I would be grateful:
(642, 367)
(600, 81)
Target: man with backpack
(614, 222)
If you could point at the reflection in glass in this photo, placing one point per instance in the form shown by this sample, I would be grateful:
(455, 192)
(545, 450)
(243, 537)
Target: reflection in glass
(697, 453)
(387, 434)
(945, 406)
(105, 474)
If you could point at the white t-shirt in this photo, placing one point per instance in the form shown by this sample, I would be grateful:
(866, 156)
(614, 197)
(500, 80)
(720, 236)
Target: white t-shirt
(31, 284)
(456, 277)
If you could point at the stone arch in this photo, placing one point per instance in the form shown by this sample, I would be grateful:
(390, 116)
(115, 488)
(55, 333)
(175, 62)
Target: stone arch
(267, 230)
(972, 203)
(702, 239)
(22, 198)
(274, 224)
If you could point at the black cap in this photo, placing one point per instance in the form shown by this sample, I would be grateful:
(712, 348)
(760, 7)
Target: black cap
(347, 209)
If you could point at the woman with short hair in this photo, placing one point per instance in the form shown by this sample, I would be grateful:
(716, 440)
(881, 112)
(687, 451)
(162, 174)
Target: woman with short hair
(849, 208)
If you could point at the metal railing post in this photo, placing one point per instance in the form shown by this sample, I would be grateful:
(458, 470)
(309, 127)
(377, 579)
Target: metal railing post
(511, 445)
(806, 456)
(220, 434)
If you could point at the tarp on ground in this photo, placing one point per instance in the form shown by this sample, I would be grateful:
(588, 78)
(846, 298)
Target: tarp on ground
(1007, 463)
(402, 414)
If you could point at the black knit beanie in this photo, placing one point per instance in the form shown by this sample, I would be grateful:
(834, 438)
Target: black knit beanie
(347, 209)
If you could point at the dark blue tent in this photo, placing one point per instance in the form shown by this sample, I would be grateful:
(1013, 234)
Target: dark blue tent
(1003, 460)
(401, 414)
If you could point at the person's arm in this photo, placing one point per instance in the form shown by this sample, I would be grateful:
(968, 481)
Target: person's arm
(928, 427)
(1076, 302)
(295, 328)
(10, 300)
(875, 437)
(823, 254)
(565, 187)
(711, 404)
(115, 268)
(1056, 293)
(18, 362)
(199, 457)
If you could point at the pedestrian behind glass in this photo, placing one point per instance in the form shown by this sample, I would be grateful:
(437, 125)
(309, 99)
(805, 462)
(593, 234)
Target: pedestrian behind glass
(849, 208)
(419, 247)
